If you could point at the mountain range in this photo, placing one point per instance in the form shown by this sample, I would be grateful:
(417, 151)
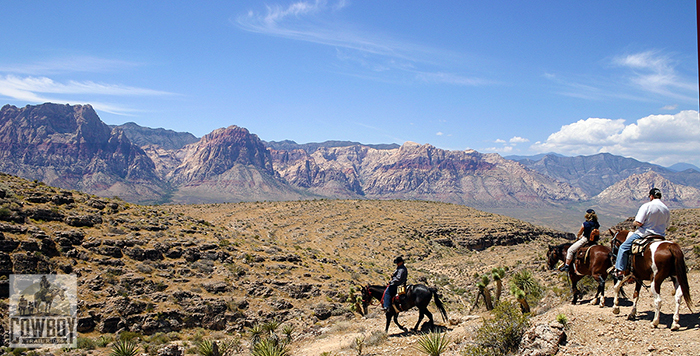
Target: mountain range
(70, 147)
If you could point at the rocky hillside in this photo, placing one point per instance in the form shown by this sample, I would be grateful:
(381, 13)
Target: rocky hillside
(225, 267)
(187, 272)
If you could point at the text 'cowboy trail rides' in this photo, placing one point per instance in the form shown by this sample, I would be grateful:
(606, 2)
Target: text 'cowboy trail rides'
(43, 310)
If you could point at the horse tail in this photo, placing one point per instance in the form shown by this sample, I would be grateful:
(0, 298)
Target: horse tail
(439, 304)
(681, 273)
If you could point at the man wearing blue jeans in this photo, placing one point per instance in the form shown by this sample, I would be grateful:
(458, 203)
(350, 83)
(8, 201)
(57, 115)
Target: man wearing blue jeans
(398, 278)
(652, 219)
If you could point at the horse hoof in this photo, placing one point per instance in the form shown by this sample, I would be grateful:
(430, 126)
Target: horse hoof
(631, 317)
(616, 310)
(654, 324)
(675, 327)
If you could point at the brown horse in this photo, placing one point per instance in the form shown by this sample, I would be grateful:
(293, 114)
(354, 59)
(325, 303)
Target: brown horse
(661, 260)
(596, 265)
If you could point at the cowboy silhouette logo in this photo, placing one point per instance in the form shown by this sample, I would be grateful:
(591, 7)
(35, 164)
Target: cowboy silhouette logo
(43, 310)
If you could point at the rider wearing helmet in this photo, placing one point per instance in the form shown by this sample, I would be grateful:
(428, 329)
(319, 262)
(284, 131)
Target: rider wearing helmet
(652, 219)
(397, 278)
(583, 235)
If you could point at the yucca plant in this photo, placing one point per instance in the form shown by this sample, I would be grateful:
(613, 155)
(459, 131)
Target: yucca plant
(497, 273)
(205, 348)
(359, 345)
(288, 330)
(269, 347)
(433, 344)
(256, 333)
(124, 348)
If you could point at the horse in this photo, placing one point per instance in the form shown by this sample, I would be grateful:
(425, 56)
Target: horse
(661, 260)
(595, 265)
(47, 297)
(417, 295)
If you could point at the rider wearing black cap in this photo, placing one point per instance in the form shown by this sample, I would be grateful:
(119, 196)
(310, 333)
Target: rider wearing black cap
(652, 219)
(398, 278)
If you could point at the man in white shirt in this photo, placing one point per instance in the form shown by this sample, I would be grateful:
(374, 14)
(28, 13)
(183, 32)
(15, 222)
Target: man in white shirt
(652, 219)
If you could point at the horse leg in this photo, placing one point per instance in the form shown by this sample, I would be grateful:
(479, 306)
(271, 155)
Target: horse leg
(574, 289)
(396, 321)
(424, 311)
(676, 314)
(616, 290)
(633, 313)
(600, 293)
(420, 317)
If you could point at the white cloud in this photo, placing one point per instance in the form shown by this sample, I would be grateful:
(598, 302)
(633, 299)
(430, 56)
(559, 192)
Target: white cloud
(78, 64)
(43, 89)
(660, 139)
(439, 133)
(379, 53)
(643, 76)
(670, 107)
(498, 140)
(517, 139)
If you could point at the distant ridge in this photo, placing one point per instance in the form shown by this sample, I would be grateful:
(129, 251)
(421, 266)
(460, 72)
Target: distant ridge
(311, 147)
(680, 167)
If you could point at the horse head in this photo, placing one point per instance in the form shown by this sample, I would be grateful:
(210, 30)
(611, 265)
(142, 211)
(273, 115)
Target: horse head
(552, 256)
(366, 298)
(618, 237)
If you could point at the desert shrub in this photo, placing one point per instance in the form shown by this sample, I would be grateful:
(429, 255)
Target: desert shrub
(562, 319)
(358, 345)
(129, 336)
(375, 338)
(124, 348)
(501, 334)
(104, 340)
(86, 343)
(433, 344)
(269, 347)
(205, 348)
(525, 281)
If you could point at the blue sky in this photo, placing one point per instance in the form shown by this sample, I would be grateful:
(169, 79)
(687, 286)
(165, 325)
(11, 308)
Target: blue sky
(525, 77)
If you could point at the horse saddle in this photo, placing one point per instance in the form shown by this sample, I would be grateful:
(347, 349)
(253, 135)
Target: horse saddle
(399, 300)
(640, 245)
(583, 251)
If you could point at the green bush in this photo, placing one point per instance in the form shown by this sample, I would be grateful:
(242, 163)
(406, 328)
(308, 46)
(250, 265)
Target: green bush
(269, 347)
(501, 334)
(562, 319)
(86, 343)
(124, 348)
(433, 344)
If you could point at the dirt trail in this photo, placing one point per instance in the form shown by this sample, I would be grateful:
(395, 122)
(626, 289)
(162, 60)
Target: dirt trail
(591, 330)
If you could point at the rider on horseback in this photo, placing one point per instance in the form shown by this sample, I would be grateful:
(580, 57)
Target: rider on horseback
(651, 219)
(583, 235)
(398, 278)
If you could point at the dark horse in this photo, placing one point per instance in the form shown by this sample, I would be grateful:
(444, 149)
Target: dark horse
(596, 265)
(417, 295)
(47, 297)
(661, 260)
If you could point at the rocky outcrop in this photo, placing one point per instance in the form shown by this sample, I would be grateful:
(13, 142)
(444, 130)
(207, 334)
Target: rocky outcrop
(542, 340)
(70, 147)
(229, 164)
